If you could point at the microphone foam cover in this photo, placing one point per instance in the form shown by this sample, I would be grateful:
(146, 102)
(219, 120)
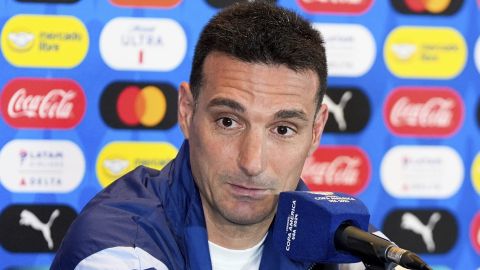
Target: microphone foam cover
(306, 222)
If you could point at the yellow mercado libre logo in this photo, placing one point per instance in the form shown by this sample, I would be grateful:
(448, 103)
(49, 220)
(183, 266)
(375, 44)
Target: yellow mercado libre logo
(118, 158)
(425, 52)
(476, 173)
(44, 41)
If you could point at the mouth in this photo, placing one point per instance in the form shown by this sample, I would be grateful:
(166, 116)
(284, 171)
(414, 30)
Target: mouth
(255, 193)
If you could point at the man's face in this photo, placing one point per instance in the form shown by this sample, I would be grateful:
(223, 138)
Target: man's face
(250, 132)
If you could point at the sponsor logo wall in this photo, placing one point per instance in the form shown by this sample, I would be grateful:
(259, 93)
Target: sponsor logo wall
(88, 91)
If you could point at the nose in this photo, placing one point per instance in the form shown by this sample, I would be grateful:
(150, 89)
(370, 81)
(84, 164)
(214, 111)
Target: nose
(251, 158)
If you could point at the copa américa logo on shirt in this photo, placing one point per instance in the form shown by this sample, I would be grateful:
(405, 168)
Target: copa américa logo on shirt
(351, 7)
(44, 41)
(425, 52)
(422, 171)
(139, 105)
(119, 157)
(350, 48)
(42, 103)
(41, 166)
(345, 169)
(147, 44)
(427, 7)
(418, 111)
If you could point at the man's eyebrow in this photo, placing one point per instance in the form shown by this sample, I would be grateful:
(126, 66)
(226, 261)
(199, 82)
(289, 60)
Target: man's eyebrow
(286, 114)
(234, 105)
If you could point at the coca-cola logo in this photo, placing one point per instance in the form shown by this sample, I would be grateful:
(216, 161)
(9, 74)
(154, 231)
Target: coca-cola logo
(424, 111)
(335, 6)
(42, 103)
(339, 169)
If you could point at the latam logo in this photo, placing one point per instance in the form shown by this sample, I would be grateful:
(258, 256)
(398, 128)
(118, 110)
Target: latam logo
(226, 3)
(424, 111)
(42, 166)
(475, 232)
(348, 108)
(42, 103)
(433, 231)
(118, 158)
(475, 173)
(34, 227)
(146, 44)
(427, 172)
(44, 41)
(146, 3)
(129, 105)
(427, 7)
(425, 52)
(477, 55)
(339, 169)
(350, 49)
(335, 6)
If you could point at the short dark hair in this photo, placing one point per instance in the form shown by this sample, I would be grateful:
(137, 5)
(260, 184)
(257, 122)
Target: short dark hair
(260, 32)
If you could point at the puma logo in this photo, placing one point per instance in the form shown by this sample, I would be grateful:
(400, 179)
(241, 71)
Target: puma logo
(411, 222)
(27, 218)
(338, 110)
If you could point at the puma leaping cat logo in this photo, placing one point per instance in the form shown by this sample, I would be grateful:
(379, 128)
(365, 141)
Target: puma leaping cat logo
(338, 109)
(411, 222)
(27, 218)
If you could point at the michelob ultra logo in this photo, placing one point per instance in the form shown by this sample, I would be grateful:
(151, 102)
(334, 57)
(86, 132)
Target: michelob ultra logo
(118, 158)
(424, 111)
(44, 41)
(42, 103)
(425, 52)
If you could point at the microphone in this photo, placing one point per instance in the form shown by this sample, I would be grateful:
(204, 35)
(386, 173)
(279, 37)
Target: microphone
(327, 227)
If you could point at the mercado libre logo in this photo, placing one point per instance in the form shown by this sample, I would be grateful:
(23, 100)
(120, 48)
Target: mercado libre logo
(425, 52)
(35, 227)
(146, 3)
(41, 166)
(475, 173)
(120, 157)
(148, 44)
(424, 111)
(339, 169)
(129, 105)
(44, 41)
(427, 7)
(335, 6)
(42, 103)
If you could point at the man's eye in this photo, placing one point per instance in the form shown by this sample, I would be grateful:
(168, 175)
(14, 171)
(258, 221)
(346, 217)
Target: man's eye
(226, 122)
(284, 131)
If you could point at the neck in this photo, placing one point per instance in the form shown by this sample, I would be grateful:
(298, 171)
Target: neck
(234, 236)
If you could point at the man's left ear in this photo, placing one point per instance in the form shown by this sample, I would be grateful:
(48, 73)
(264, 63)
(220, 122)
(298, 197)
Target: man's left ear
(318, 126)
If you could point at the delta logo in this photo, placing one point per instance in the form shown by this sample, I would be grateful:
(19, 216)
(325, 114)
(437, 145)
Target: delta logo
(118, 158)
(422, 172)
(147, 44)
(344, 169)
(425, 52)
(424, 111)
(146, 3)
(41, 166)
(427, 7)
(129, 105)
(335, 6)
(44, 41)
(42, 103)
(475, 232)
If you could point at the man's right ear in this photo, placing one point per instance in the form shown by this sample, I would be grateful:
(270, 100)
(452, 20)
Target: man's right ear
(186, 106)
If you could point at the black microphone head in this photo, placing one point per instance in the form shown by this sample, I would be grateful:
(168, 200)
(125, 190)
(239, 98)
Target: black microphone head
(306, 222)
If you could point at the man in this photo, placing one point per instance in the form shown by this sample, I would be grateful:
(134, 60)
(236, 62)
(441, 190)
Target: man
(251, 115)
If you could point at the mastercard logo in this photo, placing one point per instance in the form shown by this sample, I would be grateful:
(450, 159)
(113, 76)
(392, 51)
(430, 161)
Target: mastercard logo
(125, 105)
(430, 7)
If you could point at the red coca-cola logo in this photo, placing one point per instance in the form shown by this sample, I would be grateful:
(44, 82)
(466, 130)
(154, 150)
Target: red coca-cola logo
(42, 103)
(335, 6)
(424, 111)
(339, 169)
